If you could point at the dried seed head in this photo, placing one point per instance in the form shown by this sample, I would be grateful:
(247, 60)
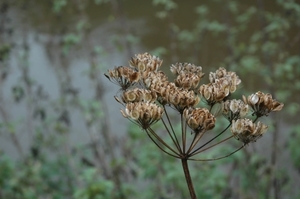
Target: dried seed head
(187, 81)
(199, 119)
(246, 131)
(229, 78)
(234, 109)
(143, 113)
(262, 104)
(138, 95)
(143, 62)
(186, 68)
(188, 75)
(214, 92)
(123, 76)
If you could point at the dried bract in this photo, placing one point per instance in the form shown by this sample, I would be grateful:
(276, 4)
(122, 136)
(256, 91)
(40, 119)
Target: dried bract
(262, 104)
(246, 131)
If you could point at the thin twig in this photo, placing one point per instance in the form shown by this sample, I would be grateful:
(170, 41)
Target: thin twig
(212, 159)
(176, 142)
(183, 132)
(197, 152)
(161, 141)
(176, 156)
(196, 139)
(213, 138)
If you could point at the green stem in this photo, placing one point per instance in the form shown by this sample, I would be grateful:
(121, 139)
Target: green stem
(188, 178)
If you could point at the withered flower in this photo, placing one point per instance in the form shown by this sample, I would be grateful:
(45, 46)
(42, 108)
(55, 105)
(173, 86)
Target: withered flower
(143, 113)
(145, 61)
(123, 76)
(234, 109)
(199, 119)
(246, 131)
(262, 104)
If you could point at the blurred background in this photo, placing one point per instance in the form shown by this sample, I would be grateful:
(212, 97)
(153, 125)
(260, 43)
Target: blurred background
(61, 132)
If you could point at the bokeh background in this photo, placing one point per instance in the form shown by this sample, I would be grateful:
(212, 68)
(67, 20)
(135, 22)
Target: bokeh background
(61, 132)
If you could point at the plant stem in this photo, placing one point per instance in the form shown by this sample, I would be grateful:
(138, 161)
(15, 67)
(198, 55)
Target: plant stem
(188, 178)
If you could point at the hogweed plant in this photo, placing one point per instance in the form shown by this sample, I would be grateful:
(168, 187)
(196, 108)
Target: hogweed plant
(147, 95)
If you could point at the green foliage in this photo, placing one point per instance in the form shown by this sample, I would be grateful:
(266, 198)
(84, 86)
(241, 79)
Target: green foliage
(95, 188)
(293, 145)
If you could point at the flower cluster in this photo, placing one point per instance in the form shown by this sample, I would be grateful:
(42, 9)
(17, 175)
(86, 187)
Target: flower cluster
(199, 119)
(262, 104)
(147, 92)
(222, 83)
(246, 131)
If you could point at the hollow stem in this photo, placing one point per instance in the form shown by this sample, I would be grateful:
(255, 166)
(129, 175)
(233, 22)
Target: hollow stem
(188, 178)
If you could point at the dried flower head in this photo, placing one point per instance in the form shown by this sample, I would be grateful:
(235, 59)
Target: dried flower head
(199, 119)
(143, 113)
(234, 109)
(145, 61)
(246, 131)
(123, 76)
(262, 104)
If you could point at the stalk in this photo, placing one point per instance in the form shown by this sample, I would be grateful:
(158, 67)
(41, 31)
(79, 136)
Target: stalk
(188, 178)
